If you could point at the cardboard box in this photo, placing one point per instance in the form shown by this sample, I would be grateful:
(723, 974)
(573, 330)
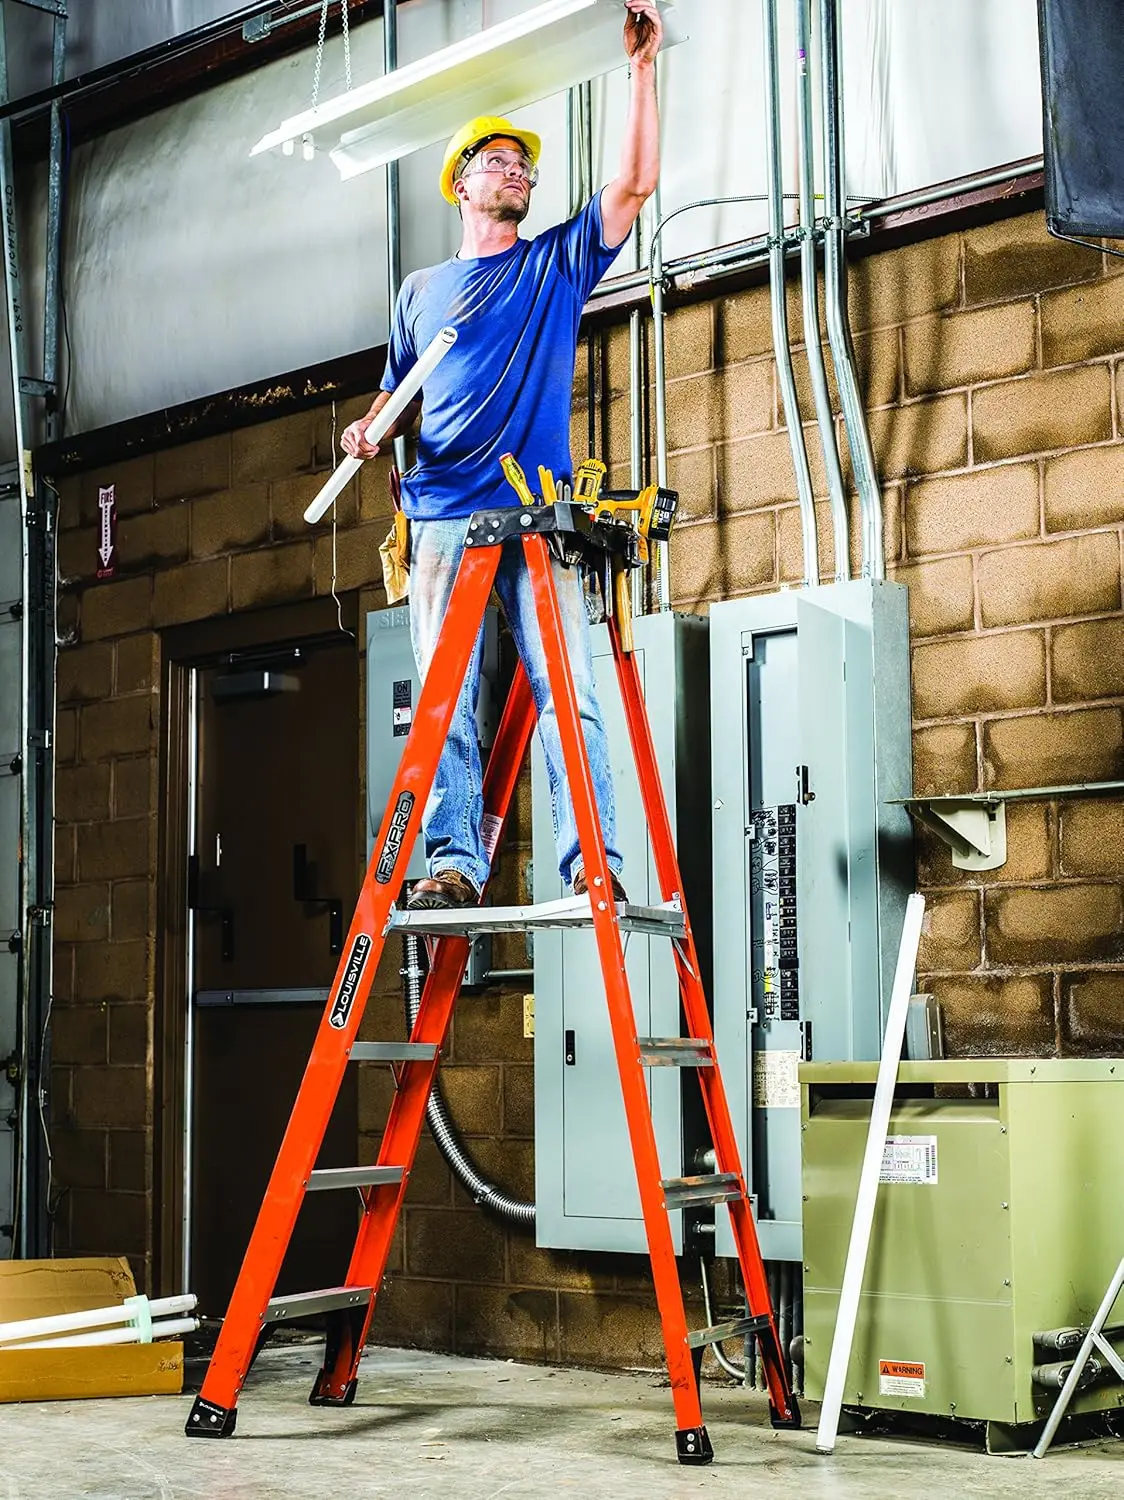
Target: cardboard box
(44, 1288)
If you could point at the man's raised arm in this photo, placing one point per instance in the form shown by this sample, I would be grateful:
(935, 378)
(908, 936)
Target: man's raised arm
(624, 197)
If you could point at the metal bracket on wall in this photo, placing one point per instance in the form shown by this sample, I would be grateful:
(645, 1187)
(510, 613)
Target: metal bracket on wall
(974, 824)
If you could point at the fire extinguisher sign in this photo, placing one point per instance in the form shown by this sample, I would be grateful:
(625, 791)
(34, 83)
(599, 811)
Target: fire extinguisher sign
(107, 531)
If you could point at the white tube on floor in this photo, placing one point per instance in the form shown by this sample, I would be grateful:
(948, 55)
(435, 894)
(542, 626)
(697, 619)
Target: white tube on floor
(169, 1329)
(95, 1317)
(863, 1222)
(404, 393)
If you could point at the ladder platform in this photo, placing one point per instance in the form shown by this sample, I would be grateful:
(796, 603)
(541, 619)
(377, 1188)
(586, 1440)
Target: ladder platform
(736, 1328)
(570, 912)
(304, 1304)
(675, 1052)
(393, 1051)
(688, 1192)
(328, 1178)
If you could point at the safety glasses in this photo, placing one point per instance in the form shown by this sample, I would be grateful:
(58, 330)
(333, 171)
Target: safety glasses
(507, 163)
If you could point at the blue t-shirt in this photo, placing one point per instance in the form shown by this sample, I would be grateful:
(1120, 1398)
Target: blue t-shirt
(505, 385)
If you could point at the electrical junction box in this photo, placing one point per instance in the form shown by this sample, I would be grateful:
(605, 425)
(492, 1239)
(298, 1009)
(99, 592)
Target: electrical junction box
(585, 1179)
(393, 689)
(999, 1216)
(812, 865)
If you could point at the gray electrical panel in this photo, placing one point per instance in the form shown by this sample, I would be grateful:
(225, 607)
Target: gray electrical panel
(812, 863)
(393, 689)
(585, 1181)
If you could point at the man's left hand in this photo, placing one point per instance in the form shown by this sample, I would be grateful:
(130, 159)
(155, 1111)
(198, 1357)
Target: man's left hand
(643, 31)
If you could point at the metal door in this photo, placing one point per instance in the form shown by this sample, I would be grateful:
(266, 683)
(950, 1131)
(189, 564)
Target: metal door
(274, 876)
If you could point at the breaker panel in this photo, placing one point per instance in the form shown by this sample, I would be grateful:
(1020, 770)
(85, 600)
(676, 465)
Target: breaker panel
(812, 865)
(393, 687)
(585, 1179)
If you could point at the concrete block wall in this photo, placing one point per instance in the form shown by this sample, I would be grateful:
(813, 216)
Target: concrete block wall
(992, 369)
(991, 363)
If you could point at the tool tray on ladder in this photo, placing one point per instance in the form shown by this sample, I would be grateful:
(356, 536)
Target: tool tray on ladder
(592, 528)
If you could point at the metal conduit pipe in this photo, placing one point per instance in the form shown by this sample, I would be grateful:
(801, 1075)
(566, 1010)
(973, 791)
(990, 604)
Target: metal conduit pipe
(777, 299)
(483, 1192)
(393, 235)
(809, 294)
(835, 296)
(636, 418)
(662, 557)
(737, 1371)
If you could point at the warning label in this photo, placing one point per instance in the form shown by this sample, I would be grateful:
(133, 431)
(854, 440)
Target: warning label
(897, 1377)
(910, 1158)
(490, 827)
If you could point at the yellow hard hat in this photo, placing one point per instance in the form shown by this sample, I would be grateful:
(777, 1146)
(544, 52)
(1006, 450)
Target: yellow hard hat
(473, 135)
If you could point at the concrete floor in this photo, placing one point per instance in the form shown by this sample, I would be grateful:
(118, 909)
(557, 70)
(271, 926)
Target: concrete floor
(429, 1425)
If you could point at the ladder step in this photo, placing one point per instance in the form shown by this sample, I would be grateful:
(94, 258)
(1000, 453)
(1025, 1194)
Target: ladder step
(572, 911)
(304, 1304)
(736, 1328)
(393, 1051)
(684, 1192)
(348, 1177)
(675, 1052)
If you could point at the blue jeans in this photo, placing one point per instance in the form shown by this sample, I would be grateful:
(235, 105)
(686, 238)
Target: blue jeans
(451, 823)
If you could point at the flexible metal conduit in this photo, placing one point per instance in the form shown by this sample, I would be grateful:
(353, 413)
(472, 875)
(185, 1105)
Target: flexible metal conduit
(835, 296)
(484, 1193)
(781, 347)
(809, 290)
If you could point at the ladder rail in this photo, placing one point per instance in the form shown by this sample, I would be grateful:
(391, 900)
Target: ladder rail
(697, 1014)
(661, 1247)
(328, 1060)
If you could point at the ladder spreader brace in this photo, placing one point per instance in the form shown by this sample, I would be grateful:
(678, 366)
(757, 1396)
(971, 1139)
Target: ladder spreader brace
(348, 1308)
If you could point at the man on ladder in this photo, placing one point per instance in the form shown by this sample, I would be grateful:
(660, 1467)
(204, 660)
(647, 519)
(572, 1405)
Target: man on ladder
(505, 387)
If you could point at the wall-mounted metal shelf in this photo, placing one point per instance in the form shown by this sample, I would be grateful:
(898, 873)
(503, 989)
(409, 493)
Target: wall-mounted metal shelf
(974, 824)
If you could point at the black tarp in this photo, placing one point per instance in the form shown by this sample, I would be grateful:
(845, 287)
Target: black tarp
(1082, 51)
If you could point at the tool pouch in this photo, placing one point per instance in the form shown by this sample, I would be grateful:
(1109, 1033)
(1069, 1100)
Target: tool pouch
(395, 550)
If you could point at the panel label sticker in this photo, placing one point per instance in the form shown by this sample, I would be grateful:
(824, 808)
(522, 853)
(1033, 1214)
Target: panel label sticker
(356, 963)
(898, 1377)
(402, 712)
(384, 870)
(776, 1080)
(910, 1158)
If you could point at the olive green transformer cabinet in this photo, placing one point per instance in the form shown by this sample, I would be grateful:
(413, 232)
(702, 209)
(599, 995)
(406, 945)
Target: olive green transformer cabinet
(1000, 1215)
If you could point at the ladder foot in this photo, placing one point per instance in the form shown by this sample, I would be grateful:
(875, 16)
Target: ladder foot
(318, 1396)
(210, 1421)
(778, 1419)
(692, 1446)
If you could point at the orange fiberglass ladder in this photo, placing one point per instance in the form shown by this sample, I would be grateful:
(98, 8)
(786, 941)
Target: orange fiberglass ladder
(348, 1308)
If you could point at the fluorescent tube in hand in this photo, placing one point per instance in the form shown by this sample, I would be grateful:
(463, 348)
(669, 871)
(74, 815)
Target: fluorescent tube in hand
(404, 393)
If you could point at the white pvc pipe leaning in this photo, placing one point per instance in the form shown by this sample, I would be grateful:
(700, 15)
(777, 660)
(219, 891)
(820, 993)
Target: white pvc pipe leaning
(132, 1310)
(404, 393)
(169, 1329)
(847, 1314)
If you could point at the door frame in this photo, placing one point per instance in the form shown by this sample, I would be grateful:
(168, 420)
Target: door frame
(184, 650)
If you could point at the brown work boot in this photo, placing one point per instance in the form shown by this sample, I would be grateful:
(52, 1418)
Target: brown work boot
(582, 889)
(448, 888)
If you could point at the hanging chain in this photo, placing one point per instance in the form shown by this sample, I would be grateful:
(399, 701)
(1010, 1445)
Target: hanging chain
(320, 51)
(320, 40)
